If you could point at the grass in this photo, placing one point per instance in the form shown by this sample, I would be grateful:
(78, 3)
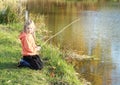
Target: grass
(55, 72)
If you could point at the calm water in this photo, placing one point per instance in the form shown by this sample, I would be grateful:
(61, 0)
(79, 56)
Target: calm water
(97, 33)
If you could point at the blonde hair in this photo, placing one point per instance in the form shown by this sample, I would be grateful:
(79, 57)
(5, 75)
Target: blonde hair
(31, 24)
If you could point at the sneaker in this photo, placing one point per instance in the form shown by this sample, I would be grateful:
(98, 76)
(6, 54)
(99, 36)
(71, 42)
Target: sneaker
(19, 65)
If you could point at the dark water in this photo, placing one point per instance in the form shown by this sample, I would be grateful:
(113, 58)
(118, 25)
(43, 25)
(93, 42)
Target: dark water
(97, 33)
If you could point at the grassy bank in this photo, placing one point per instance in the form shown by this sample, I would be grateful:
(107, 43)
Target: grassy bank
(55, 72)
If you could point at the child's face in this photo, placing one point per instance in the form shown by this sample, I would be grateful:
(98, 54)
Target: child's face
(29, 29)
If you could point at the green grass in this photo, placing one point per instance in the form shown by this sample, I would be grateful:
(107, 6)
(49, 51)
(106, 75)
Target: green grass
(55, 72)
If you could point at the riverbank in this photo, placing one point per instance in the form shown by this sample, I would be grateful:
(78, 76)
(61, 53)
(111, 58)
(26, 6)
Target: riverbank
(56, 70)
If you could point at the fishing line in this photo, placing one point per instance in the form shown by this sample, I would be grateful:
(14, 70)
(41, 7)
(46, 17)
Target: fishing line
(61, 31)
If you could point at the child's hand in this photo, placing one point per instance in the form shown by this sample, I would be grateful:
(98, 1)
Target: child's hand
(38, 48)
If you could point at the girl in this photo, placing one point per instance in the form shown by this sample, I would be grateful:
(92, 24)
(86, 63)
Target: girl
(29, 48)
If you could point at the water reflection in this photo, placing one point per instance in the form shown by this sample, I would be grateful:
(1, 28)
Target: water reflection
(107, 33)
(116, 62)
(96, 33)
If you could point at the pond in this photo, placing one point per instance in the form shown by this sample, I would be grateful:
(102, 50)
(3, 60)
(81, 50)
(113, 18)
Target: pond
(95, 32)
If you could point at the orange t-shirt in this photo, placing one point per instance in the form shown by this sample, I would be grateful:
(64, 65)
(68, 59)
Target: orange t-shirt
(28, 44)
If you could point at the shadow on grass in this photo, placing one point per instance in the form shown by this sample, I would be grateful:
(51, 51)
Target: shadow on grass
(8, 65)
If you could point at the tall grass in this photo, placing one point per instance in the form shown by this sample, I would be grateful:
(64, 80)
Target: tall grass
(8, 15)
(10, 10)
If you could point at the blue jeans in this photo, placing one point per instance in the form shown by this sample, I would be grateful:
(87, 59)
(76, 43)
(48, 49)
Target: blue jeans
(24, 63)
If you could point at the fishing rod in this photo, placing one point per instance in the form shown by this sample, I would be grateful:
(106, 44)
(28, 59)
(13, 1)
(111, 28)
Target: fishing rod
(27, 17)
(60, 31)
